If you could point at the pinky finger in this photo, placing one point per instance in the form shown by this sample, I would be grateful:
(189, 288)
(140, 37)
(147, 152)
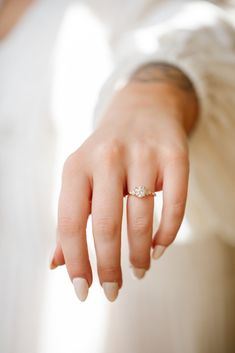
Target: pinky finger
(175, 186)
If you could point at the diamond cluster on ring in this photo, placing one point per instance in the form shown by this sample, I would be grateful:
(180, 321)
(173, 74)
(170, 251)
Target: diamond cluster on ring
(140, 191)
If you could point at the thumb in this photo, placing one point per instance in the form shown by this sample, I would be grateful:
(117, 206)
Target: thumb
(57, 257)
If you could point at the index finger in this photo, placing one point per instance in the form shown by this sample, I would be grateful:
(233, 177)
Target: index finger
(73, 212)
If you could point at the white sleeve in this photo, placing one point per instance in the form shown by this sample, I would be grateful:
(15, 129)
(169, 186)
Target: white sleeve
(199, 39)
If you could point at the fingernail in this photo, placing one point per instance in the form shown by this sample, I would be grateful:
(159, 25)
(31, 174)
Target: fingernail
(52, 263)
(158, 251)
(81, 288)
(137, 272)
(110, 290)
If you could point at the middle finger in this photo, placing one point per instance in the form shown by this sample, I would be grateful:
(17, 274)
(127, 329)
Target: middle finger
(107, 208)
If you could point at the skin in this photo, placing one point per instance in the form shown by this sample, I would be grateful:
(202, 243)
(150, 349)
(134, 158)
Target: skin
(10, 13)
(141, 140)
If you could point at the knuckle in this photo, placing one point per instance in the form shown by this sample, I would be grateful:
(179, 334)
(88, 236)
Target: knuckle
(69, 226)
(178, 155)
(142, 152)
(110, 151)
(108, 269)
(139, 261)
(106, 227)
(140, 226)
(72, 163)
(78, 267)
(69, 162)
(109, 273)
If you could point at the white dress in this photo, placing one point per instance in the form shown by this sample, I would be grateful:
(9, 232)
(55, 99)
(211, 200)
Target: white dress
(27, 139)
(186, 303)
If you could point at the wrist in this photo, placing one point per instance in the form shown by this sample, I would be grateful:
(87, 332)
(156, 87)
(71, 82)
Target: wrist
(162, 100)
(164, 80)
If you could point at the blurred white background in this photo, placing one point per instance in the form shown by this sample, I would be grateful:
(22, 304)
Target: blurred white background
(52, 66)
(81, 63)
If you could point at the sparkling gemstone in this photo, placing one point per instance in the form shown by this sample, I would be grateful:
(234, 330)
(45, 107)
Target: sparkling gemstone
(140, 191)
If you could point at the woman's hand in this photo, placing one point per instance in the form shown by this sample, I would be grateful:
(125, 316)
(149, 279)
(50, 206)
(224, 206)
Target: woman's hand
(141, 140)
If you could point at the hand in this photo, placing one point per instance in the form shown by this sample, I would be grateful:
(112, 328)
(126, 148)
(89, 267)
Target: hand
(141, 140)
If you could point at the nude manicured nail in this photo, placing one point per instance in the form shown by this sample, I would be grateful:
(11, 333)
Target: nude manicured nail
(81, 288)
(110, 290)
(137, 272)
(158, 251)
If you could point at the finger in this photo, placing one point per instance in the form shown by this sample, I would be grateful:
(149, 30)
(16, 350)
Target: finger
(140, 218)
(74, 209)
(107, 206)
(57, 258)
(175, 185)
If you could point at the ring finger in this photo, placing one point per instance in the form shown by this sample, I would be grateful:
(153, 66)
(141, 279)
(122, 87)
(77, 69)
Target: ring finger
(140, 219)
